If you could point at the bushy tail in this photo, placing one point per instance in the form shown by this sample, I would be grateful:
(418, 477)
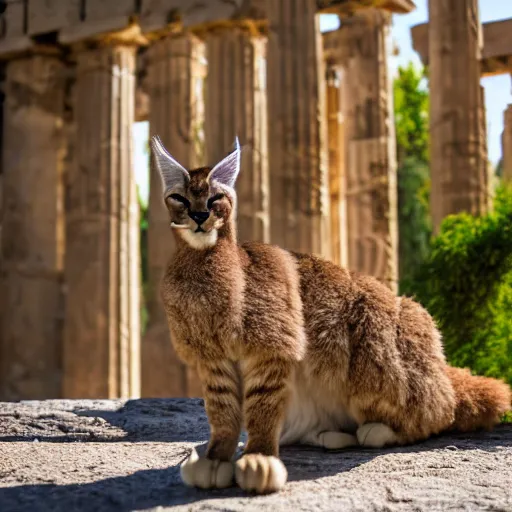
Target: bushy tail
(481, 401)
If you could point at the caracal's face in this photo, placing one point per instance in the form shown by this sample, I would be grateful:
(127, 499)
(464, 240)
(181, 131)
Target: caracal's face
(199, 208)
(199, 201)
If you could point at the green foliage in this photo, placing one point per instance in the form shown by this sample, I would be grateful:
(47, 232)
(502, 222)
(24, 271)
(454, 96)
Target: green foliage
(411, 114)
(414, 220)
(143, 260)
(411, 125)
(466, 284)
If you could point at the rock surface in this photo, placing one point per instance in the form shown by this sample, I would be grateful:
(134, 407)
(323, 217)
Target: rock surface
(60, 455)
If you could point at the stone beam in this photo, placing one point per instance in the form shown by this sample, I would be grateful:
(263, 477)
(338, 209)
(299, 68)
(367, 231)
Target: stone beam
(32, 243)
(299, 201)
(459, 173)
(73, 20)
(175, 67)
(236, 104)
(496, 54)
(102, 333)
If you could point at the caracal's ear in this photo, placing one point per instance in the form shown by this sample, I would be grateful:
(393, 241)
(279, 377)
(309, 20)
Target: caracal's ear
(173, 174)
(226, 171)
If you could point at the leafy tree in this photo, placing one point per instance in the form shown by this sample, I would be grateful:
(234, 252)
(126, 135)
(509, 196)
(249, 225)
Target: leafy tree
(414, 220)
(411, 125)
(411, 114)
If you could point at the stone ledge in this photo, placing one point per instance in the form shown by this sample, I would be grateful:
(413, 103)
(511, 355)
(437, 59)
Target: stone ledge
(106, 455)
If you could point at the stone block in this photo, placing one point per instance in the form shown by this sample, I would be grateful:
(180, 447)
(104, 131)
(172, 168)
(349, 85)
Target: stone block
(51, 15)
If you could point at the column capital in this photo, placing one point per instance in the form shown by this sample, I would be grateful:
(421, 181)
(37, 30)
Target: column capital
(252, 27)
(351, 38)
(31, 50)
(130, 36)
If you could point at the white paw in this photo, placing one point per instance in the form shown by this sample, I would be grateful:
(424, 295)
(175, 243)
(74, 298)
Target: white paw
(337, 440)
(260, 473)
(206, 473)
(375, 435)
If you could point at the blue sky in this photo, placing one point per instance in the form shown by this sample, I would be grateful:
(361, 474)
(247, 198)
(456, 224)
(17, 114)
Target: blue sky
(497, 89)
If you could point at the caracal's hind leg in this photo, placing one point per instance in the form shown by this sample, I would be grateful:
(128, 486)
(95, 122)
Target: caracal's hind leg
(330, 440)
(376, 435)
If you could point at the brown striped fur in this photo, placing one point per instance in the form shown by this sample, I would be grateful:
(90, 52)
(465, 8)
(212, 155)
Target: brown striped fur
(296, 349)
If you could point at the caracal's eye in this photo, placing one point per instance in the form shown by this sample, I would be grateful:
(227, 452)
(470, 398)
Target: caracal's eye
(212, 200)
(180, 199)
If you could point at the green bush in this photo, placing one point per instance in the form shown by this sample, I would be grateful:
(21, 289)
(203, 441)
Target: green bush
(466, 284)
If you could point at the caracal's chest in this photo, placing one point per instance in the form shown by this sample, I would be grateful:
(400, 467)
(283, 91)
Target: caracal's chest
(204, 303)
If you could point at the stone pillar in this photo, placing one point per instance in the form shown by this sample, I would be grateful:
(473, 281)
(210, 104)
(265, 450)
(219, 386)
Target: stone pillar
(336, 144)
(457, 161)
(507, 145)
(102, 334)
(175, 72)
(32, 245)
(236, 104)
(299, 200)
(371, 193)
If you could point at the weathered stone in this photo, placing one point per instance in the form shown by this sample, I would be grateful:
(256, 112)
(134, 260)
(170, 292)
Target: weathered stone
(496, 54)
(116, 455)
(101, 345)
(32, 244)
(458, 170)
(51, 15)
(367, 108)
(157, 14)
(299, 201)
(175, 68)
(236, 104)
(507, 144)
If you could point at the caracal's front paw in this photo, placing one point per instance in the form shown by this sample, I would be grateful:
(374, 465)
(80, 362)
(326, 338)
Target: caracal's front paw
(376, 435)
(206, 473)
(260, 473)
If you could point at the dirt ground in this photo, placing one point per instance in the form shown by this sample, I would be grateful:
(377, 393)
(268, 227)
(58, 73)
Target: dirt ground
(121, 456)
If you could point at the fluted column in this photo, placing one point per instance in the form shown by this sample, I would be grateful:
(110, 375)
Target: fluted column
(457, 139)
(507, 144)
(336, 144)
(32, 243)
(175, 71)
(371, 194)
(299, 210)
(102, 334)
(236, 104)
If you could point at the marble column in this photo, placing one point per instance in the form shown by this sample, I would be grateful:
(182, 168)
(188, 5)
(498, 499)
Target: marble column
(236, 104)
(457, 137)
(174, 82)
(336, 144)
(371, 193)
(32, 243)
(299, 197)
(101, 355)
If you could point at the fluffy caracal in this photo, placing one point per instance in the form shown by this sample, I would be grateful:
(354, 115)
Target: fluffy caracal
(294, 348)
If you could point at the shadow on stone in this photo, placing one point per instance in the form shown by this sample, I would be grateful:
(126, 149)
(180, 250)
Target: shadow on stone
(60, 421)
(161, 487)
(158, 434)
